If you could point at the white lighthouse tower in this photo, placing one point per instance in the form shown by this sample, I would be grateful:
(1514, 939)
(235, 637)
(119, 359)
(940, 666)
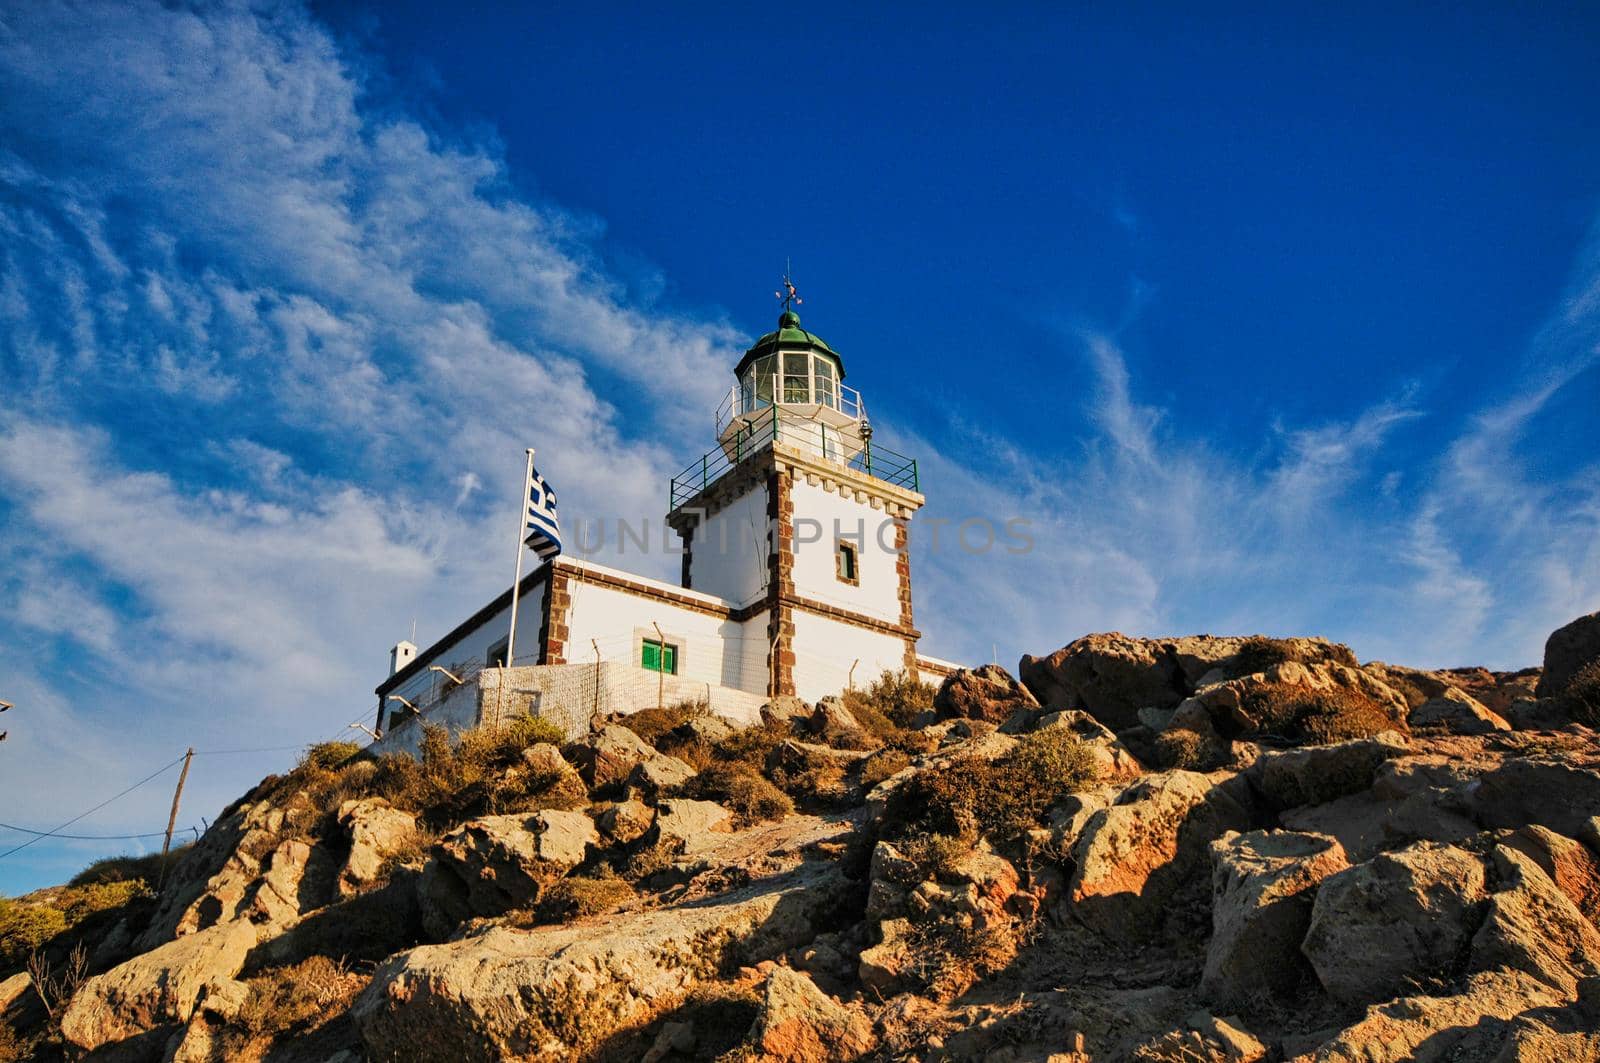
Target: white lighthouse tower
(800, 521)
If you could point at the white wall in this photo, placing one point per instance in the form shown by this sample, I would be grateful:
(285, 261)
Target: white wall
(824, 649)
(710, 649)
(729, 550)
(872, 530)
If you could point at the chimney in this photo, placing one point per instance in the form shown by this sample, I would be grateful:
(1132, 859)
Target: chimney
(403, 654)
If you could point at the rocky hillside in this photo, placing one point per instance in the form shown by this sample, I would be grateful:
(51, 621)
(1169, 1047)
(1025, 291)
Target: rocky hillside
(1174, 849)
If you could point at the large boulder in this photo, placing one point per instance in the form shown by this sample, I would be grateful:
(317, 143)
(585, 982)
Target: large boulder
(491, 865)
(551, 992)
(799, 1023)
(688, 826)
(1131, 859)
(1314, 775)
(1568, 649)
(1398, 919)
(608, 756)
(1457, 713)
(985, 693)
(1262, 887)
(376, 832)
(1110, 676)
(157, 989)
(1535, 928)
(1570, 865)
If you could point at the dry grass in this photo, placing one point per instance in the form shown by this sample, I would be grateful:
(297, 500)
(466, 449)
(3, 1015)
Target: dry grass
(955, 955)
(12, 1047)
(145, 868)
(1303, 714)
(1005, 796)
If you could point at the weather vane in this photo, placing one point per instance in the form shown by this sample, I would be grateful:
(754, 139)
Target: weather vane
(791, 297)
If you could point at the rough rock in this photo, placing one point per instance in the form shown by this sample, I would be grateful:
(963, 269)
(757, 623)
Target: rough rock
(533, 994)
(626, 820)
(1457, 713)
(708, 728)
(831, 715)
(13, 988)
(1568, 649)
(375, 832)
(1468, 1025)
(786, 709)
(1133, 857)
(660, 773)
(985, 693)
(799, 1023)
(1110, 676)
(1199, 656)
(1398, 919)
(1314, 775)
(542, 758)
(157, 988)
(491, 865)
(886, 968)
(1262, 886)
(1570, 864)
(1203, 1036)
(1533, 927)
(687, 825)
(609, 755)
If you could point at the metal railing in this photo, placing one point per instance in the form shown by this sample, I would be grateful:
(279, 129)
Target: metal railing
(773, 425)
(791, 390)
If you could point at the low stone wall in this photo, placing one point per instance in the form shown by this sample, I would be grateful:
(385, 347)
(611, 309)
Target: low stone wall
(570, 695)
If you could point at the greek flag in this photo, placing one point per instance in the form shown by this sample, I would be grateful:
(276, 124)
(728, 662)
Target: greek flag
(540, 523)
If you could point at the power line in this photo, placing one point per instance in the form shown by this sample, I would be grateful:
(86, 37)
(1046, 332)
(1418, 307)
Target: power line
(52, 833)
(81, 837)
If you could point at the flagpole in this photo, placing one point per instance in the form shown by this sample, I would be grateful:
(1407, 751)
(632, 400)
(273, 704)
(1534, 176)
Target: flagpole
(516, 583)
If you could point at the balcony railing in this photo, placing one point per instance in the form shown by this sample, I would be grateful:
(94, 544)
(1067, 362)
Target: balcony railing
(775, 424)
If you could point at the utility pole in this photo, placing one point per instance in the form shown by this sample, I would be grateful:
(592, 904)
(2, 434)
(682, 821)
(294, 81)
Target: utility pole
(172, 820)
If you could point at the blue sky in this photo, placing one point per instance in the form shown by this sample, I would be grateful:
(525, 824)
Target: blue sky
(1269, 319)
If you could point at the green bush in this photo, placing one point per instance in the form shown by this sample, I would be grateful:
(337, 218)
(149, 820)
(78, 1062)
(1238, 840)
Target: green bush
(327, 756)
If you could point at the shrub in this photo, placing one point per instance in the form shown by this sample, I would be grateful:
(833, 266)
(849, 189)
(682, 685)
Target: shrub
(883, 764)
(481, 773)
(577, 897)
(893, 696)
(1581, 699)
(652, 724)
(1258, 653)
(24, 927)
(1303, 714)
(752, 745)
(12, 1047)
(936, 855)
(1007, 795)
(327, 756)
(740, 790)
(1182, 748)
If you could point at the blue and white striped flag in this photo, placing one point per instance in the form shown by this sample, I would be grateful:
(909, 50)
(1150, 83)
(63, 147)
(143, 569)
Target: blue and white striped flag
(540, 523)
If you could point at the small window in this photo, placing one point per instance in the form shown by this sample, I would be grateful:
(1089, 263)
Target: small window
(845, 563)
(659, 657)
(496, 657)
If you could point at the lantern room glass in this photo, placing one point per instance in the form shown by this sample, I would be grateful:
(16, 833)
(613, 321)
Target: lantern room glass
(795, 377)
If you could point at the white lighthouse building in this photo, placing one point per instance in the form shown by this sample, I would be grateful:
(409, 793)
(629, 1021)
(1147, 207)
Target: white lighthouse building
(796, 579)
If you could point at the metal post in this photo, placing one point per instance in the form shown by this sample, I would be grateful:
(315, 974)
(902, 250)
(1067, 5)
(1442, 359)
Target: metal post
(850, 683)
(594, 712)
(516, 588)
(661, 665)
(703, 458)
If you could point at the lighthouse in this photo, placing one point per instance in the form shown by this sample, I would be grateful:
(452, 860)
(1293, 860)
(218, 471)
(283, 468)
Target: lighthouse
(801, 519)
(794, 525)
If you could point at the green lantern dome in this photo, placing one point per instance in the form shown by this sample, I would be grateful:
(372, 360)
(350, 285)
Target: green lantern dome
(789, 337)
